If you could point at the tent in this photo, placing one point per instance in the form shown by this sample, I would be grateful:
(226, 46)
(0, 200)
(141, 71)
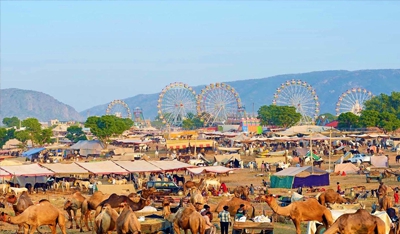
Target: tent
(171, 165)
(138, 166)
(27, 170)
(103, 167)
(212, 169)
(32, 152)
(349, 168)
(88, 147)
(61, 169)
(294, 177)
(4, 173)
(315, 157)
(379, 161)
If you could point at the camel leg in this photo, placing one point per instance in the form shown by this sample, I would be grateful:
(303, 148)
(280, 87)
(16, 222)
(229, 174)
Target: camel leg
(53, 229)
(33, 229)
(177, 228)
(333, 229)
(76, 219)
(297, 225)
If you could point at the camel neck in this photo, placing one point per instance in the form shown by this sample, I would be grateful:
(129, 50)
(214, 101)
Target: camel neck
(274, 205)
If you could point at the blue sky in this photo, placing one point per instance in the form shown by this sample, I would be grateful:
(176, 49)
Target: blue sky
(86, 53)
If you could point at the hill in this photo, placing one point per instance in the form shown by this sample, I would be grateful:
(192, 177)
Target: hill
(329, 85)
(27, 103)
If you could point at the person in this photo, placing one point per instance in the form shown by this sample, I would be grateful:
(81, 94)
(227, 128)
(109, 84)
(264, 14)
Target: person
(264, 183)
(224, 220)
(382, 189)
(339, 190)
(206, 208)
(300, 190)
(396, 197)
(210, 229)
(240, 212)
(251, 189)
(223, 188)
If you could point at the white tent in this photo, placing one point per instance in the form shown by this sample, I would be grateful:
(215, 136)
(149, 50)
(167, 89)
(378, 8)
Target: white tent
(171, 165)
(103, 167)
(27, 170)
(348, 168)
(212, 169)
(65, 169)
(138, 166)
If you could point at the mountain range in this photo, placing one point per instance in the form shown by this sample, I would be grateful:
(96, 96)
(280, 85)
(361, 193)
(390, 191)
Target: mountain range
(328, 85)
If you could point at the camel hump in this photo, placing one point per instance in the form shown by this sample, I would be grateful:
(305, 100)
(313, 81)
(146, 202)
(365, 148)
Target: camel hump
(43, 200)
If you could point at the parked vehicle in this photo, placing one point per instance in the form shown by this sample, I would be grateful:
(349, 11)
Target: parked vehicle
(362, 157)
(165, 187)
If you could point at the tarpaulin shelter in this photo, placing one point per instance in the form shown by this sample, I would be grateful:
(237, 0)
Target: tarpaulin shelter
(294, 177)
(183, 144)
(212, 169)
(88, 147)
(27, 170)
(224, 158)
(103, 167)
(138, 166)
(66, 169)
(4, 173)
(32, 152)
(315, 157)
(171, 165)
(379, 161)
(348, 168)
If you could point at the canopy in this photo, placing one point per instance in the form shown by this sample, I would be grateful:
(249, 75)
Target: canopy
(182, 144)
(138, 166)
(27, 170)
(103, 167)
(305, 129)
(212, 169)
(133, 141)
(294, 177)
(170, 165)
(226, 157)
(315, 157)
(4, 173)
(349, 168)
(31, 152)
(228, 149)
(65, 169)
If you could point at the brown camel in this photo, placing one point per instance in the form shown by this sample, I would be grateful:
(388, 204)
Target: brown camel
(299, 211)
(19, 204)
(385, 202)
(116, 200)
(72, 205)
(187, 218)
(190, 184)
(38, 215)
(234, 205)
(106, 221)
(331, 196)
(361, 222)
(127, 221)
(196, 197)
(242, 192)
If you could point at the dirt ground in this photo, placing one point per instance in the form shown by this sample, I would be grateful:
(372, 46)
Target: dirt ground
(239, 177)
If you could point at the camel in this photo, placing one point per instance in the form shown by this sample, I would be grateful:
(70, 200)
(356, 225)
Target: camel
(38, 215)
(106, 221)
(360, 222)
(196, 197)
(301, 211)
(115, 201)
(212, 182)
(242, 192)
(385, 202)
(4, 188)
(234, 205)
(188, 218)
(20, 204)
(190, 184)
(82, 184)
(72, 206)
(331, 196)
(18, 190)
(127, 221)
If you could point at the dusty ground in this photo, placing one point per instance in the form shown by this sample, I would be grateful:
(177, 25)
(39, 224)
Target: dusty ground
(239, 177)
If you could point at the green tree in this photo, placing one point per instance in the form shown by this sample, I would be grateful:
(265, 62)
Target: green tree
(369, 118)
(388, 122)
(32, 125)
(385, 103)
(23, 136)
(188, 124)
(43, 136)
(11, 122)
(75, 134)
(348, 120)
(106, 126)
(283, 116)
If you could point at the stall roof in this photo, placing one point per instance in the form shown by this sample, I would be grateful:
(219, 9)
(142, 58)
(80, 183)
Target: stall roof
(64, 168)
(170, 165)
(213, 169)
(32, 151)
(4, 173)
(293, 171)
(103, 167)
(138, 166)
(27, 170)
(133, 141)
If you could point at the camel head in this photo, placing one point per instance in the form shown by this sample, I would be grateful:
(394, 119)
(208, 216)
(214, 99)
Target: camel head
(106, 208)
(268, 199)
(67, 204)
(11, 199)
(4, 217)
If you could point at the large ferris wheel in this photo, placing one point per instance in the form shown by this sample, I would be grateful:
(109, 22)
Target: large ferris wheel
(119, 108)
(352, 101)
(300, 95)
(176, 101)
(218, 102)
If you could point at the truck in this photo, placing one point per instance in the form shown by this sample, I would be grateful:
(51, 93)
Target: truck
(362, 157)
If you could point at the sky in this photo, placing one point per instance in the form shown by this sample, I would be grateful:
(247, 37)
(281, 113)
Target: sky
(87, 53)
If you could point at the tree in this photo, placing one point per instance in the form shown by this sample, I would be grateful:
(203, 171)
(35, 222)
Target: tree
(32, 125)
(107, 125)
(23, 136)
(187, 124)
(11, 122)
(75, 134)
(385, 103)
(388, 122)
(348, 120)
(325, 118)
(369, 118)
(283, 116)
(44, 136)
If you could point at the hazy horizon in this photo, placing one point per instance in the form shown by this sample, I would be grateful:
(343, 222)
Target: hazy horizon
(89, 53)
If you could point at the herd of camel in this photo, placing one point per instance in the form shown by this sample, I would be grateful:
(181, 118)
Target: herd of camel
(116, 212)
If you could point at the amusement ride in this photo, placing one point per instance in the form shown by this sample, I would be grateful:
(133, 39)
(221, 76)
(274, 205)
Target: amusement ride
(352, 101)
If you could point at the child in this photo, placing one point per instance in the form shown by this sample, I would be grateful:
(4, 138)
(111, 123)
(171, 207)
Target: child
(396, 197)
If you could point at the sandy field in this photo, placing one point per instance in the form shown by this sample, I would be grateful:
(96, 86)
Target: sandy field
(239, 177)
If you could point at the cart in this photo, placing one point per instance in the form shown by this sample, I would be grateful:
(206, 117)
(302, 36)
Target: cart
(242, 227)
(370, 177)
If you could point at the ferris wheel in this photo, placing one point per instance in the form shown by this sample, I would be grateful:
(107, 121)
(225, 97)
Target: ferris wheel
(302, 96)
(119, 108)
(218, 102)
(176, 101)
(352, 101)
